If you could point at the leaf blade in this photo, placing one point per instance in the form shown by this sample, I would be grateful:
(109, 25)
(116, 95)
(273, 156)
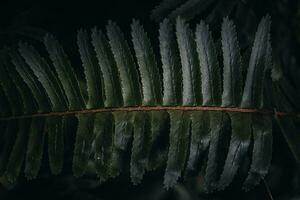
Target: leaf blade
(179, 139)
(83, 144)
(209, 66)
(239, 144)
(150, 76)
(191, 94)
(65, 72)
(232, 82)
(45, 75)
(255, 74)
(111, 81)
(262, 150)
(35, 147)
(126, 66)
(55, 132)
(170, 64)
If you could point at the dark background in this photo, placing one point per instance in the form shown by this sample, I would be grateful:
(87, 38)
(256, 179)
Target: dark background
(65, 18)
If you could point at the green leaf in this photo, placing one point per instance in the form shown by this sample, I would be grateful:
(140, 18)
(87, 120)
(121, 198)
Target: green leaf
(18, 151)
(111, 83)
(218, 129)
(55, 131)
(92, 71)
(128, 135)
(178, 148)
(209, 66)
(262, 150)
(191, 94)
(267, 99)
(200, 138)
(122, 139)
(126, 66)
(83, 144)
(150, 76)
(140, 146)
(158, 120)
(65, 73)
(159, 139)
(35, 147)
(45, 75)
(232, 61)
(103, 130)
(170, 64)
(255, 75)
(31, 80)
(240, 140)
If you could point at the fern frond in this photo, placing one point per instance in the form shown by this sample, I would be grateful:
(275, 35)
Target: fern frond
(45, 75)
(179, 140)
(262, 150)
(140, 146)
(55, 132)
(126, 65)
(112, 93)
(253, 84)
(65, 73)
(200, 138)
(170, 64)
(103, 130)
(31, 81)
(150, 78)
(232, 61)
(209, 66)
(191, 92)
(137, 118)
(18, 151)
(83, 144)
(91, 70)
(121, 141)
(238, 147)
(219, 123)
(35, 147)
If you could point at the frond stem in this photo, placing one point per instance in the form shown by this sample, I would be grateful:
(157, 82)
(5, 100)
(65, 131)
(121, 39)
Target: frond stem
(152, 108)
